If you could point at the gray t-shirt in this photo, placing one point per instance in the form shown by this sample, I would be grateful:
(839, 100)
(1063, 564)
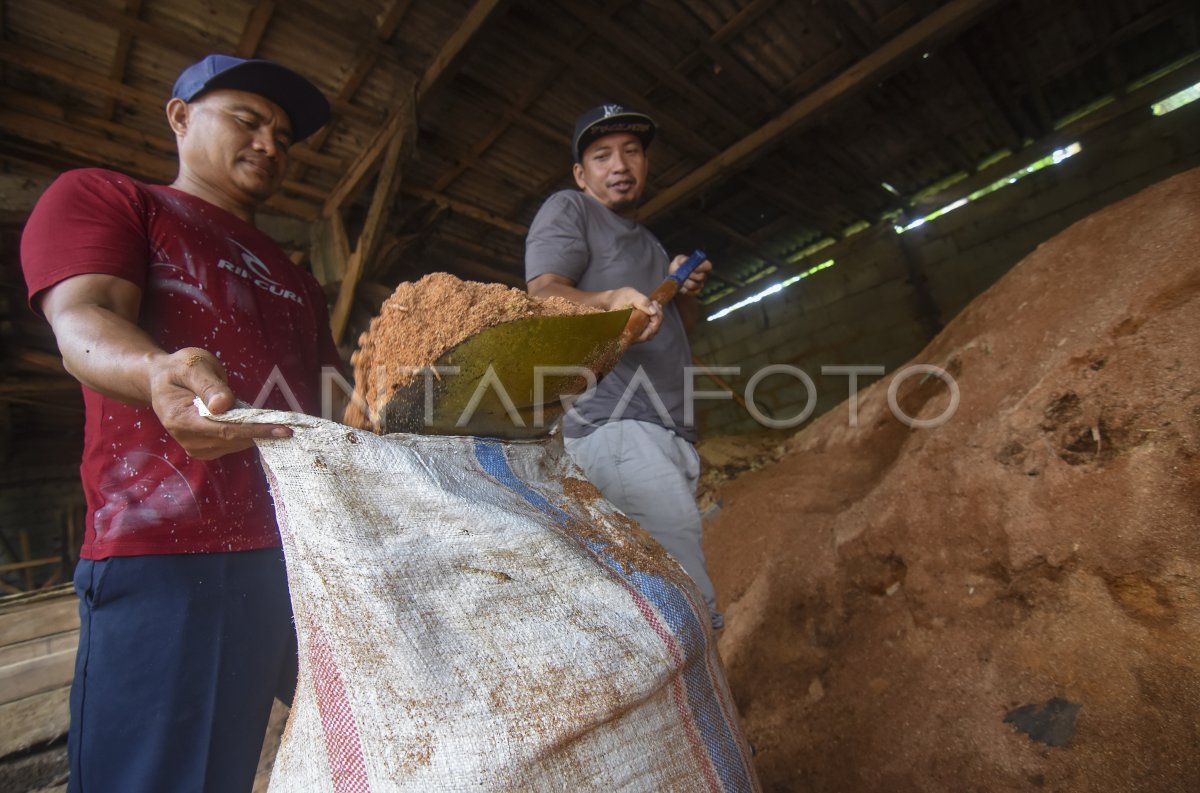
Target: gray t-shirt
(579, 238)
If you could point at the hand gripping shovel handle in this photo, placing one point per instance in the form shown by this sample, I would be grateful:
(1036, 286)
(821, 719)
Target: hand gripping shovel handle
(664, 294)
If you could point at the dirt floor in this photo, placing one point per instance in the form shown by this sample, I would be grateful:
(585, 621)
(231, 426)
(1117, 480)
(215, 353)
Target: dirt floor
(892, 594)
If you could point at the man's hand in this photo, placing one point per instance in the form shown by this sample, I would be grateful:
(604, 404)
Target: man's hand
(176, 379)
(628, 296)
(95, 322)
(552, 285)
(695, 281)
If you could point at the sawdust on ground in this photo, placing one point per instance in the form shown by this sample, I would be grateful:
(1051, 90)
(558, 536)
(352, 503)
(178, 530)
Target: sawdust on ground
(892, 593)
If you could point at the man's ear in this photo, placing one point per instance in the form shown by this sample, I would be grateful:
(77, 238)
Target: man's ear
(577, 170)
(178, 115)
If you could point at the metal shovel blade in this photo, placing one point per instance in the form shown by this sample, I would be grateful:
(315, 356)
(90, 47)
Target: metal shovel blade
(494, 392)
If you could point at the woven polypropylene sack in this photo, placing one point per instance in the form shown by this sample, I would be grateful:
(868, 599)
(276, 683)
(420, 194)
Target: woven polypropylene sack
(467, 621)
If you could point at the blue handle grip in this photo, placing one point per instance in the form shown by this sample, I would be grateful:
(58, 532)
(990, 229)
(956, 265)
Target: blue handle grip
(686, 268)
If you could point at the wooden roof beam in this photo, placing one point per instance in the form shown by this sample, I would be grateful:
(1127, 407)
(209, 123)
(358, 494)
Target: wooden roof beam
(120, 58)
(1014, 36)
(80, 78)
(385, 28)
(514, 113)
(467, 210)
(181, 41)
(878, 65)
(707, 46)
(999, 105)
(364, 250)
(740, 240)
(138, 162)
(854, 30)
(438, 71)
(448, 58)
(37, 106)
(679, 135)
(254, 28)
(790, 204)
(480, 269)
(641, 52)
(402, 123)
(1134, 101)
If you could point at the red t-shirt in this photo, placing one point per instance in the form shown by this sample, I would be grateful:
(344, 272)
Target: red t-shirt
(208, 280)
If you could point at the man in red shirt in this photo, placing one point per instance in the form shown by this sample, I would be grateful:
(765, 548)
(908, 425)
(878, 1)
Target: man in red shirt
(158, 295)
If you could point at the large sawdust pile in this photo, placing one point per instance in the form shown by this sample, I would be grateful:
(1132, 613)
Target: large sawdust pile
(892, 593)
(422, 320)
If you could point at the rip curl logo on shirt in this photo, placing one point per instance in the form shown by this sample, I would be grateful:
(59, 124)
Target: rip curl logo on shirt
(255, 270)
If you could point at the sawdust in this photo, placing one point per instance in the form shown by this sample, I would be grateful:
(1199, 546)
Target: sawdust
(617, 536)
(424, 319)
(891, 594)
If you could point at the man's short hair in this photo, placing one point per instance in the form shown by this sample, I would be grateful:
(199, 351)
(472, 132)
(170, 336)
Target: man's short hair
(305, 105)
(605, 120)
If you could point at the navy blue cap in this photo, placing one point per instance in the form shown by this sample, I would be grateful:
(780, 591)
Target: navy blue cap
(605, 120)
(306, 106)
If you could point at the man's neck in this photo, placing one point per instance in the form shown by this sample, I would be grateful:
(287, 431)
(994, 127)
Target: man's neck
(628, 213)
(185, 183)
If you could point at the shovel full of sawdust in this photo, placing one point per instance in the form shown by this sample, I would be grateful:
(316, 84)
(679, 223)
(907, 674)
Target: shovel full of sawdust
(452, 357)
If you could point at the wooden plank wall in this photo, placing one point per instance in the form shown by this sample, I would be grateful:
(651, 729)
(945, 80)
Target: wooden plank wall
(37, 661)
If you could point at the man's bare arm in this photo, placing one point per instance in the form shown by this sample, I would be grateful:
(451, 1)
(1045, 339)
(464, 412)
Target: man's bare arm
(94, 320)
(552, 285)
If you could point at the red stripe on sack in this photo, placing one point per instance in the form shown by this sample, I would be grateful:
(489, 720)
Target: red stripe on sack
(343, 747)
(677, 690)
(342, 744)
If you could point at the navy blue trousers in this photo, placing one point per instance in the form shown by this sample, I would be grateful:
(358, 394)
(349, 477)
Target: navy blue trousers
(180, 658)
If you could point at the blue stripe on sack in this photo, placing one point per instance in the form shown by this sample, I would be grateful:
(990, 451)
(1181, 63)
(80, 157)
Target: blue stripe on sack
(723, 748)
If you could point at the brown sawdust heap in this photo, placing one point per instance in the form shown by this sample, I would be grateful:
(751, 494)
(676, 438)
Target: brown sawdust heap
(423, 319)
(892, 593)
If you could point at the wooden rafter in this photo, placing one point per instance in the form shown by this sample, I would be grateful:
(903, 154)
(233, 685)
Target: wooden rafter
(477, 269)
(441, 67)
(381, 204)
(385, 28)
(1134, 101)
(448, 57)
(350, 22)
(467, 210)
(256, 25)
(945, 22)
(708, 45)
(538, 86)
(625, 41)
(682, 137)
(154, 144)
(1016, 38)
(790, 201)
(181, 41)
(120, 58)
(80, 78)
(746, 243)
(138, 162)
(399, 127)
(997, 105)
(402, 123)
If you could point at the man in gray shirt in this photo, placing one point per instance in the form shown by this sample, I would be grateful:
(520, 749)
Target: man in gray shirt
(629, 435)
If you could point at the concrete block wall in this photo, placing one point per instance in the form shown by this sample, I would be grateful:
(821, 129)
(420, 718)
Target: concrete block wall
(864, 310)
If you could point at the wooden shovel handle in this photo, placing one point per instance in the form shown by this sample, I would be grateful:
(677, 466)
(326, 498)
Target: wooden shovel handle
(664, 294)
(638, 320)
